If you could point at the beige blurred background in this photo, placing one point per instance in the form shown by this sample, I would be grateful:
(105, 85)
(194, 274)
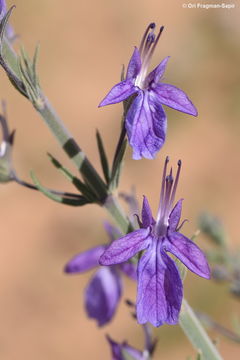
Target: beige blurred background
(83, 45)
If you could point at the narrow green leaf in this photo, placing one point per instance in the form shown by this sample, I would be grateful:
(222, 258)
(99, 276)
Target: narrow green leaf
(60, 199)
(117, 166)
(84, 189)
(34, 64)
(103, 157)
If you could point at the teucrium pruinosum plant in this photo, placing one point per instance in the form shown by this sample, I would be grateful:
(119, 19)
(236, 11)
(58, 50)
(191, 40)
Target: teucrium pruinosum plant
(144, 121)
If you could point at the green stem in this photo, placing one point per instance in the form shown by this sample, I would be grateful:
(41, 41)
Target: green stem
(113, 207)
(72, 149)
(197, 335)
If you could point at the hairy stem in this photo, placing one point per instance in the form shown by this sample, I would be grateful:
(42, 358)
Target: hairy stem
(197, 335)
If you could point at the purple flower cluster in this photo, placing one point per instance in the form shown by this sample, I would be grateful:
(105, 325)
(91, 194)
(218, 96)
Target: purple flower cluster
(146, 121)
(104, 290)
(160, 288)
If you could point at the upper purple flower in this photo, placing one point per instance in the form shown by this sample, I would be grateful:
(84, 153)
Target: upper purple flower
(160, 288)
(146, 121)
(104, 290)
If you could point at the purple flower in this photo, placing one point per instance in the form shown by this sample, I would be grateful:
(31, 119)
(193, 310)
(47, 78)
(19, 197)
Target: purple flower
(119, 350)
(160, 288)
(146, 121)
(104, 290)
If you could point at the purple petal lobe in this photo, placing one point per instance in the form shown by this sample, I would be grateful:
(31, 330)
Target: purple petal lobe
(188, 253)
(129, 269)
(175, 98)
(175, 216)
(146, 125)
(85, 260)
(160, 294)
(134, 65)
(126, 247)
(102, 295)
(119, 92)
(158, 72)
(147, 218)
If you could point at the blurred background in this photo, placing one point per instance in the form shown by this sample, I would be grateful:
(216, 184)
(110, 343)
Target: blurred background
(83, 45)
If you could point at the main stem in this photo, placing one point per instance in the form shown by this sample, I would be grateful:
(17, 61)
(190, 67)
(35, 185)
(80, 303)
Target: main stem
(188, 320)
(195, 332)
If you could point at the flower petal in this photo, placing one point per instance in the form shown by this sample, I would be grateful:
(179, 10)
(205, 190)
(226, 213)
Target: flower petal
(175, 98)
(102, 295)
(119, 92)
(188, 253)
(160, 294)
(157, 73)
(134, 65)
(147, 218)
(126, 247)
(175, 216)
(84, 261)
(146, 125)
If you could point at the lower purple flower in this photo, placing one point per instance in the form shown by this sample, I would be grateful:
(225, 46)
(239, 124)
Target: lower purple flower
(160, 288)
(104, 290)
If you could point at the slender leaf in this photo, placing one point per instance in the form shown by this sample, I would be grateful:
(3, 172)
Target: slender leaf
(117, 166)
(60, 199)
(103, 157)
(83, 188)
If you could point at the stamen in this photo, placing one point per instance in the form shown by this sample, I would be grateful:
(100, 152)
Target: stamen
(175, 183)
(150, 26)
(149, 41)
(155, 44)
(169, 183)
(163, 187)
